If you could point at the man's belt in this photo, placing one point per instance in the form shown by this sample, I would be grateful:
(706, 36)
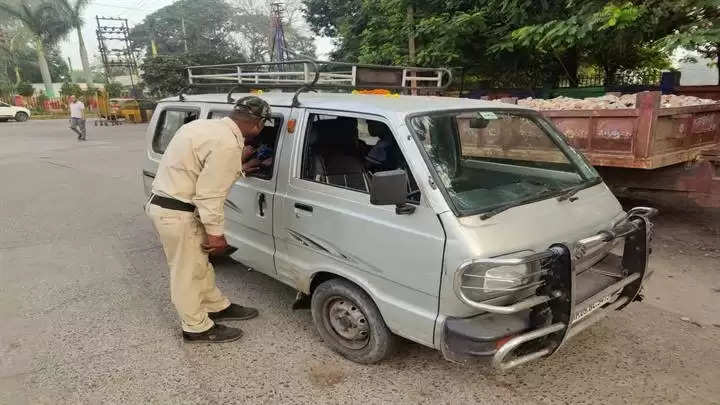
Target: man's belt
(171, 203)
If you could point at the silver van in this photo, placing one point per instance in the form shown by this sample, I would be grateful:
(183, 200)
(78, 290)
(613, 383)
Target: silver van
(468, 226)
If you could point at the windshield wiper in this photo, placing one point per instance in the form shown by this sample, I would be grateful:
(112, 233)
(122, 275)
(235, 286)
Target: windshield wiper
(569, 194)
(550, 192)
(506, 207)
(496, 211)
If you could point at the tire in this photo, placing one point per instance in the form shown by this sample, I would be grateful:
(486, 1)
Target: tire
(4, 119)
(21, 116)
(339, 306)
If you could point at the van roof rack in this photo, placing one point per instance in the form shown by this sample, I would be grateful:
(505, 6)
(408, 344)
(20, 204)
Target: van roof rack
(307, 75)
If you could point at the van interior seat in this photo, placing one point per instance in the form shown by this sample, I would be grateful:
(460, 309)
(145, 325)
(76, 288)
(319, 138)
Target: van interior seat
(334, 154)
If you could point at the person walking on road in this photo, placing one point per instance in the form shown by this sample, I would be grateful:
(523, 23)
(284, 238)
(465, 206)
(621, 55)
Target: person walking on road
(77, 117)
(186, 206)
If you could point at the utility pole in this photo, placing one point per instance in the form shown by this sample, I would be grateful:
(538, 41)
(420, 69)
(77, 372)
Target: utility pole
(411, 44)
(117, 32)
(182, 22)
(411, 33)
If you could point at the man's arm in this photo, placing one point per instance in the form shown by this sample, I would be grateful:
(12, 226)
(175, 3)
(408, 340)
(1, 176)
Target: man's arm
(219, 172)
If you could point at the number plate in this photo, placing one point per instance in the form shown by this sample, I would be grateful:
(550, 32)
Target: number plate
(592, 307)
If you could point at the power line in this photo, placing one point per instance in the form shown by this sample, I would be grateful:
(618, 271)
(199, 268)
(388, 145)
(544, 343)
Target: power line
(122, 7)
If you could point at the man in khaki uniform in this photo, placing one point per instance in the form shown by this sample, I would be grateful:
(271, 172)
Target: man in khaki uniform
(199, 166)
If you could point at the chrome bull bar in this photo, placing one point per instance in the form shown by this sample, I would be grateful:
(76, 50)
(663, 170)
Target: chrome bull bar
(556, 297)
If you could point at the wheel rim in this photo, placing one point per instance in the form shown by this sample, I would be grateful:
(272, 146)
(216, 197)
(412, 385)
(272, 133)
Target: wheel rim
(21, 116)
(347, 322)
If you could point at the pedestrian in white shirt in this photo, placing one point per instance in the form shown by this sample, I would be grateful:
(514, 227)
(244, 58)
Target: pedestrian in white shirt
(77, 117)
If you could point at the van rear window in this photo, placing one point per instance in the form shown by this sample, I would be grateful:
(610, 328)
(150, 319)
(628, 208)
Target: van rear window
(169, 122)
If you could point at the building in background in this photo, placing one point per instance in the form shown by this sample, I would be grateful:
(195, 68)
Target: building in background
(695, 74)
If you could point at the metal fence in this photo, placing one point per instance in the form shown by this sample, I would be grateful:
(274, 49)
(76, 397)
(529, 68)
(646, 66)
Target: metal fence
(620, 79)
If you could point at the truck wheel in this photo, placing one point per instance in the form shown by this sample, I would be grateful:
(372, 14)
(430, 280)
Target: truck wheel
(21, 116)
(350, 322)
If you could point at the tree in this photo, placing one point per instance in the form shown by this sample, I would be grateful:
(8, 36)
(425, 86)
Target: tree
(342, 20)
(28, 69)
(710, 50)
(164, 74)
(204, 26)
(616, 36)
(512, 42)
(114, 89)
(701, 34)
(70, 89)
(72, 10)
(42, 20)
(25, 89)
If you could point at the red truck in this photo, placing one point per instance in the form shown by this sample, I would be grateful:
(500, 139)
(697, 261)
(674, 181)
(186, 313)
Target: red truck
(649, 151)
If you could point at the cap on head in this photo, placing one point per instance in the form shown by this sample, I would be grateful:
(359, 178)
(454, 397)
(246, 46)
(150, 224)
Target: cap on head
(253, 105)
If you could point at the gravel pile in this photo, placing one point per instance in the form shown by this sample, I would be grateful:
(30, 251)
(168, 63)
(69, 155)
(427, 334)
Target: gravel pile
(607, 102)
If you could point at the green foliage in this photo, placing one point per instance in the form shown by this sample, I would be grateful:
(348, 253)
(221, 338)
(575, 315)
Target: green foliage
(218, 30)
(40, 17)
(41, 99)
(91, 91)
(208, 29)
(71, 10)
(25, 89)
(70, 89)
(343, 20)
(164, 75)
(114, 89)
(517, 42)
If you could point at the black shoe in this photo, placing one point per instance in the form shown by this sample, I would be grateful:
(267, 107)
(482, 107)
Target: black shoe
(234, 313)
(217, 334)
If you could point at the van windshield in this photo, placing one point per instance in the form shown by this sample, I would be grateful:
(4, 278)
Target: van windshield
(489, 160)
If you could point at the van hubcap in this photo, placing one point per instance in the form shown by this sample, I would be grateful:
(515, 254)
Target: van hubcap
(349, 323)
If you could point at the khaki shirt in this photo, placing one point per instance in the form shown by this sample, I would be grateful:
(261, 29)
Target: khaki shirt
(199, 166)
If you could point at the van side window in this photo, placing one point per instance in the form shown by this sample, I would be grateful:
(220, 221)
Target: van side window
(264, 147)
(346, 152)
(169, 122)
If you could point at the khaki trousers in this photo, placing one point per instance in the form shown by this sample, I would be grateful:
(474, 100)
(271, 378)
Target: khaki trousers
(192, 277)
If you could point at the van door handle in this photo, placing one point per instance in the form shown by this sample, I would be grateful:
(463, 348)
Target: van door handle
(304, 207)
(261, 203)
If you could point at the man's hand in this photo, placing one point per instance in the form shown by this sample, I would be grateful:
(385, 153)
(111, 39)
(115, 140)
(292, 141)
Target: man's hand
(251, 166)
(216, 244)
(248, 153)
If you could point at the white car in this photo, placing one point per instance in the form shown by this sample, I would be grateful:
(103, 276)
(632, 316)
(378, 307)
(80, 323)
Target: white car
(8, 111)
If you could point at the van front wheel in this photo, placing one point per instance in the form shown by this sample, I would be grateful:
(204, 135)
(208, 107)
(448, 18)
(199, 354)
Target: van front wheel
(350, 322)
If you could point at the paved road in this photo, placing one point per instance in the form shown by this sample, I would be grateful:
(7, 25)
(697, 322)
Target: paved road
(86, 315)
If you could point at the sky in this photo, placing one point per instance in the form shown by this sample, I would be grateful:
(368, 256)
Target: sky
(135, 11)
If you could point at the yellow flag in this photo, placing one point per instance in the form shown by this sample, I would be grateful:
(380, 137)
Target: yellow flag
(154, 49)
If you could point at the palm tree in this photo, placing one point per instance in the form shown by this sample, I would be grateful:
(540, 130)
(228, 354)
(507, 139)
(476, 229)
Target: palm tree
(73, 11)
(47, 27)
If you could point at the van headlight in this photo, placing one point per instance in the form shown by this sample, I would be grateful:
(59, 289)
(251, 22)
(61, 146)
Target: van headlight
(483, 279)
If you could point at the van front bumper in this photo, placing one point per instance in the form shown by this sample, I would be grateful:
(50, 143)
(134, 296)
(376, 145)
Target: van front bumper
(569, 301)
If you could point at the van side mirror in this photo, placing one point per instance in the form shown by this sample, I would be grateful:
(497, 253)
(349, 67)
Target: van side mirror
(390, 188)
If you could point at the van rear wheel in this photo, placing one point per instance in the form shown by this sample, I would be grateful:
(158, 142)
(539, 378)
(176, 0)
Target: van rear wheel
(350, 322)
